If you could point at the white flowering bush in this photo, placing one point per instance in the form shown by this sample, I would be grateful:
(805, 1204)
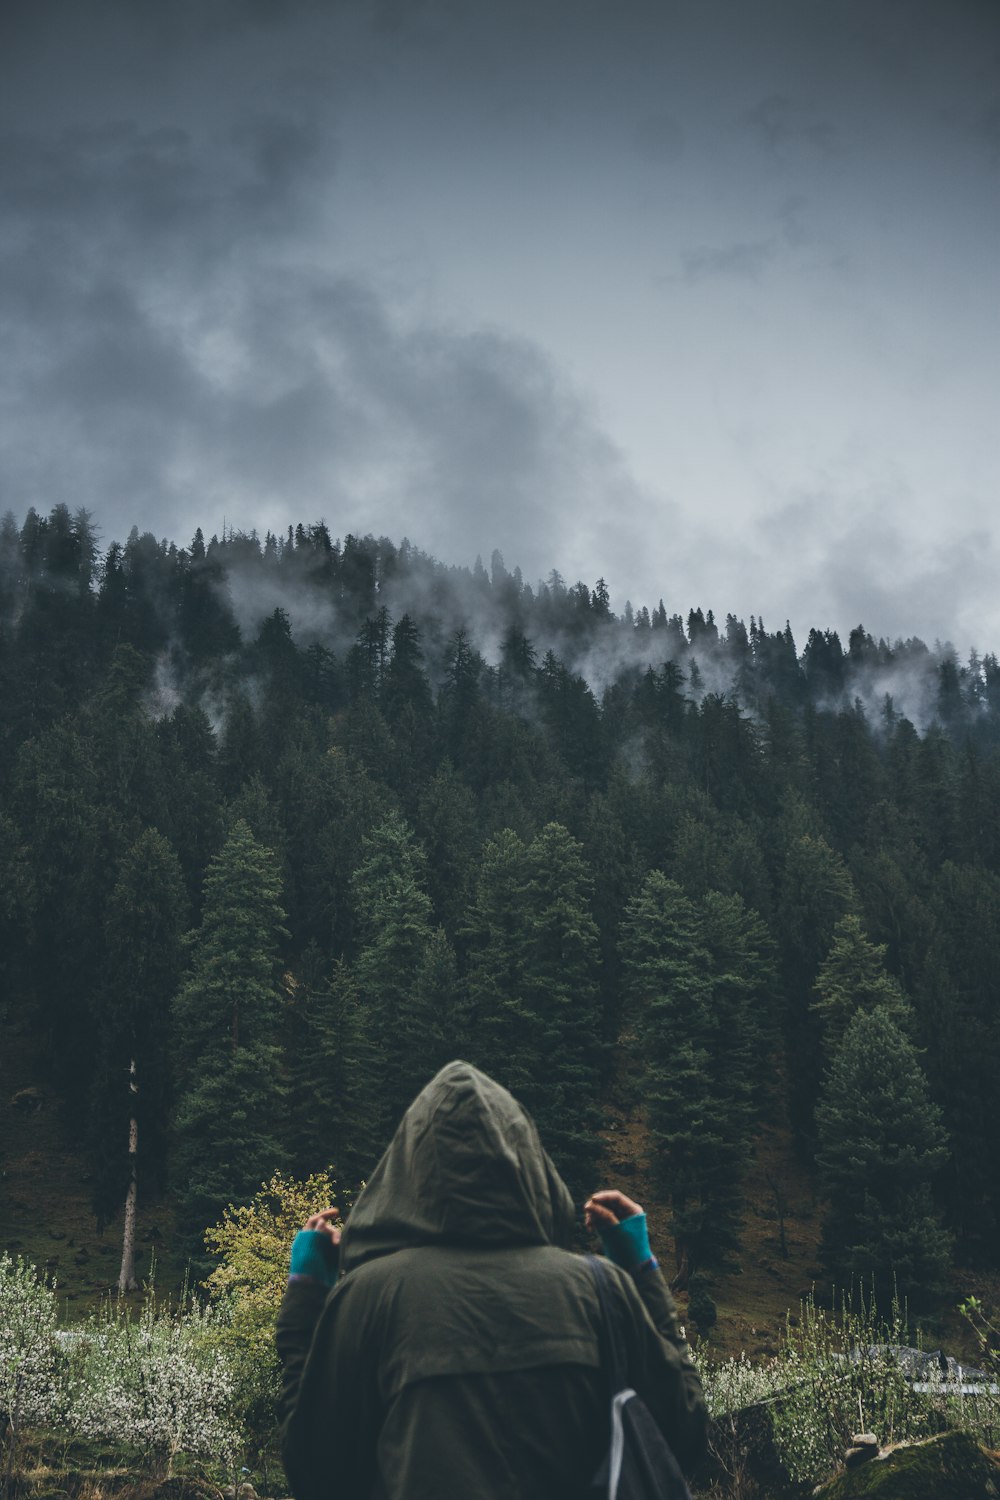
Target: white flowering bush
(732, 1384)
(837, 1373)
(157, 1382)
(840, 1376)
(32, 1392)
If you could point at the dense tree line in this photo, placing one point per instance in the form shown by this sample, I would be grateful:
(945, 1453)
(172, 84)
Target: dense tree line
(287, 823)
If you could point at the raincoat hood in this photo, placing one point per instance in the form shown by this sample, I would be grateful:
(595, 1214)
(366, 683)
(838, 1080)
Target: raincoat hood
(465, 1167)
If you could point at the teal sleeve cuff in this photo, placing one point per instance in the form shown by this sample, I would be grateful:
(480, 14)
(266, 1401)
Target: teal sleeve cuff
(314, 1256)
(627, 1243)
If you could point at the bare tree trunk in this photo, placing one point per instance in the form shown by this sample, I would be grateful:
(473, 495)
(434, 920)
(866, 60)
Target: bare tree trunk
(780, 1209)
(126, 1278)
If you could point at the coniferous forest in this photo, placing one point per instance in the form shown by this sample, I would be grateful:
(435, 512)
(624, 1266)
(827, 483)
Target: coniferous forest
(289, 822)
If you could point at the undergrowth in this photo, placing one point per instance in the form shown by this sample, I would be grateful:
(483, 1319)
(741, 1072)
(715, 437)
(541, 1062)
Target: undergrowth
(840, 1371)
(165, 1390)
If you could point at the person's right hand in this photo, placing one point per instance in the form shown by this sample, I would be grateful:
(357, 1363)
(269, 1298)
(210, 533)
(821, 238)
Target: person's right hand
(320, 1223)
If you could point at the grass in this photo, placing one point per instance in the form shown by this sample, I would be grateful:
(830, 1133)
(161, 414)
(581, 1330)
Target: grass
(75, 1469)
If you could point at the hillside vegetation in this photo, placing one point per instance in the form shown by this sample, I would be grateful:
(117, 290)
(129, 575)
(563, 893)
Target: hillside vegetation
(287, 823)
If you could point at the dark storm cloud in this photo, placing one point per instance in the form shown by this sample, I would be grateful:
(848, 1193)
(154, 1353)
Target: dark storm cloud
(278, 259)
(173, 359)
(183, 352)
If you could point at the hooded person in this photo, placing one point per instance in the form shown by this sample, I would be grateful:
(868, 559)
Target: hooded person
(457, 1353)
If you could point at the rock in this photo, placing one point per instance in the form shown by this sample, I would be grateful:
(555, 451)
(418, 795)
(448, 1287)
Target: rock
(864, 1445)
(951, 1466)
(30, 1101)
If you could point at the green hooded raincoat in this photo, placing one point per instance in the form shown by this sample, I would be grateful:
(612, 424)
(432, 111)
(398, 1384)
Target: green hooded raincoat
(457, 1355)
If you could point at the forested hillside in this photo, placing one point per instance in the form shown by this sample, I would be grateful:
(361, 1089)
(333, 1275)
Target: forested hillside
(287, 823)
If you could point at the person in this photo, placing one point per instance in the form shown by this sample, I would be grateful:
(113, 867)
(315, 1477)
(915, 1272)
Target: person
(457, 1353)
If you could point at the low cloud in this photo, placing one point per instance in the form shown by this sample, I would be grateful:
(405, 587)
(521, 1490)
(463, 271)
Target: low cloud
(847, 564)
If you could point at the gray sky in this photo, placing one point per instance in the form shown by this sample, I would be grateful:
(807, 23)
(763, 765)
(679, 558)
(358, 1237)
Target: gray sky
(703, 297)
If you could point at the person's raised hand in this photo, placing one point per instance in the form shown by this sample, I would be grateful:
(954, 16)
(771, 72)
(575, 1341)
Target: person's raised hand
(605, 1209)
(321, 1223)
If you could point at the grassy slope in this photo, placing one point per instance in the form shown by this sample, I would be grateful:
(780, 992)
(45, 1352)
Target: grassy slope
(754, 1299)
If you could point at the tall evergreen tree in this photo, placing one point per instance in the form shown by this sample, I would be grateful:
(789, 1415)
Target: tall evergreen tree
(73, 840)
(958, 1013)
(560, 969)
(745, 1023)
(226, 1016)
(816, 891)
(505, 1036)
(393, 916)
(447, 822)
(881, 1142)
(667, 978)
(533, 987)
(333, 1076)
(17, 904)
(853, 977)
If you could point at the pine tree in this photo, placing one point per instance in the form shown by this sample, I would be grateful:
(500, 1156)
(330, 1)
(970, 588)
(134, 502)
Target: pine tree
(73, 843)
(393, 916)
(958, 1003)
(560, 967)
(746, 1034)
(328, 803)
(192, 814)
(17, 902)
(447, 822)
(816, 891)
(504, 1034)
(532, 987)
(226, 1018)
(333, 1077)
(667, 981)
(852, 977)
(881, 1142)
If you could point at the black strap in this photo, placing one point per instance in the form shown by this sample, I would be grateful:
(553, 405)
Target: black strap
(612, 1346)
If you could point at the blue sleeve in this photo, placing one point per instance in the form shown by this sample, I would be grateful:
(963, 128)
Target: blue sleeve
(314, 1258)
(627, 1243)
